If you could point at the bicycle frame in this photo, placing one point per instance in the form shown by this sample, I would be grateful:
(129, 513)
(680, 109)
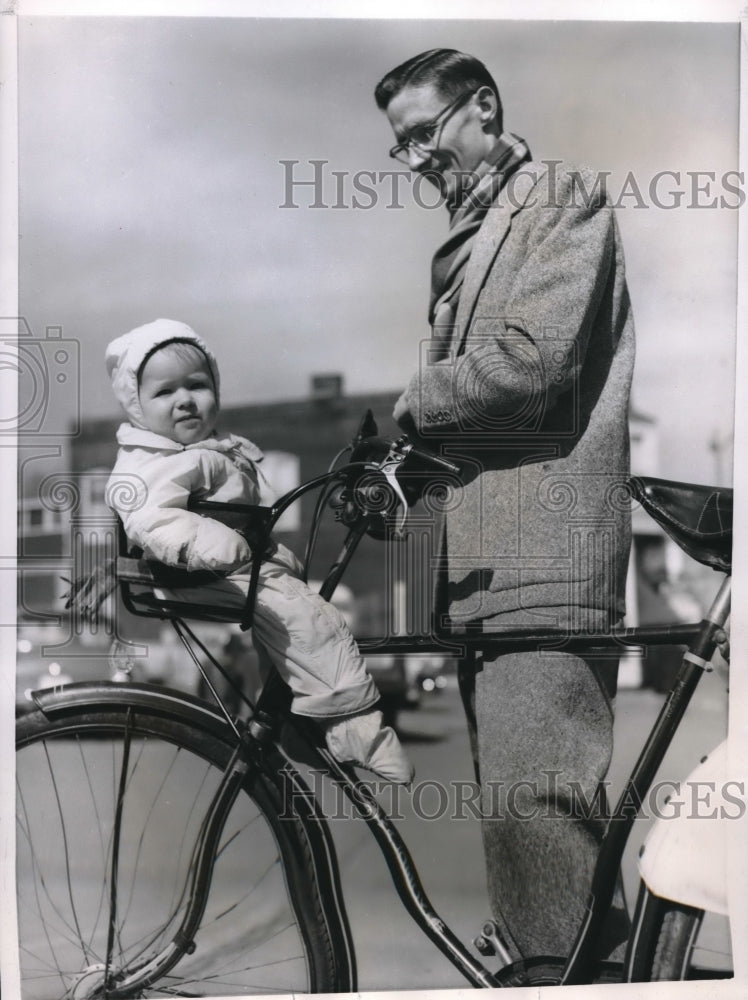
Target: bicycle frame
(583, 963)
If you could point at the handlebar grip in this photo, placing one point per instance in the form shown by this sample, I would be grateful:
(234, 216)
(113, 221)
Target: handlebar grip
(430, 458)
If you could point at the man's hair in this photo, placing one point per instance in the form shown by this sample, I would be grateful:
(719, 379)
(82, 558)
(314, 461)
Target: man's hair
(182, 350)
(450, 71)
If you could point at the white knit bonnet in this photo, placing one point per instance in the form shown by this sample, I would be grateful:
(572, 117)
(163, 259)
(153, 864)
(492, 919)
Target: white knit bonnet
(126, 354)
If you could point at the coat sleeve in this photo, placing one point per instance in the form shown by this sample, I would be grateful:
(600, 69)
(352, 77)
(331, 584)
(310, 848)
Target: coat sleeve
(525, 358)
(159, 522)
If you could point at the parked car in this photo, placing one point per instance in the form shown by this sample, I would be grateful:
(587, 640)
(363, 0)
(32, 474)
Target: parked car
(432, 676)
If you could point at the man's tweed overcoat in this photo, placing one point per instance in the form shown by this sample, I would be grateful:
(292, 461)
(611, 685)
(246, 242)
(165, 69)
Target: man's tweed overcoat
(533, 399)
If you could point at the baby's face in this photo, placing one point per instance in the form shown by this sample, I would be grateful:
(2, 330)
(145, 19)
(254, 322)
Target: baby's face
(178, 398)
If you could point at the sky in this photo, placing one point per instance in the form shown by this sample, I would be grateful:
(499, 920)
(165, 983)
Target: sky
(156, 157)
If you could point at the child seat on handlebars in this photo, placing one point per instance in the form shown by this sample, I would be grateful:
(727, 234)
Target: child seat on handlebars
(698, 518)
(140, 579)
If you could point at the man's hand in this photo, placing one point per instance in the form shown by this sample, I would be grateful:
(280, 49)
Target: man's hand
(401, 409)
(428, 400)
(404, 417)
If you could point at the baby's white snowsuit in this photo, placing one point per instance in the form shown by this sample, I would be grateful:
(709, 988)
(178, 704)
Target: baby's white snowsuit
(307, 639)
(304, 636)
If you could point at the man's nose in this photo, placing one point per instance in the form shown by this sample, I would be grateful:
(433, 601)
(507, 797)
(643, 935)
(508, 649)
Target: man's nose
(418, 158)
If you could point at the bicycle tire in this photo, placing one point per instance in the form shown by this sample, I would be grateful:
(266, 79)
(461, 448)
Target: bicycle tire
(675, 943)
(544, 970)
(273, 922)
(667, 943)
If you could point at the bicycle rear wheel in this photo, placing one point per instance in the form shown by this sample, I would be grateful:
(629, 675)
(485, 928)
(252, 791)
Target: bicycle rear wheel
(671, 942)
(113, 784)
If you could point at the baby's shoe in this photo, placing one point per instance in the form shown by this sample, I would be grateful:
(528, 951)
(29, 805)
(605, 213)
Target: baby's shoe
(362, 739)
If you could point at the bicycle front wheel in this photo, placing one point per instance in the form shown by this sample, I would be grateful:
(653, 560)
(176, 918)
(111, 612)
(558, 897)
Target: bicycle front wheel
(113, 785)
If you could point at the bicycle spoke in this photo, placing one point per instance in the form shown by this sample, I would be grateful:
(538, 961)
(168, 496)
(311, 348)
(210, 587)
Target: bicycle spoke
(108, 827)
(148, 942)
(63, 830)
(104, 843)
(225, 846)
(71, 931)
(141, 949)
(231, 976)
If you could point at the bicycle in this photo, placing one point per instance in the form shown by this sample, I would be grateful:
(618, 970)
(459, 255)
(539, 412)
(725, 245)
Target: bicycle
(247, 896)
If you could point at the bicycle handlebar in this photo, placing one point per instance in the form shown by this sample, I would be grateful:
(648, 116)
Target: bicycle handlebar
(373, 493)
(394, 476)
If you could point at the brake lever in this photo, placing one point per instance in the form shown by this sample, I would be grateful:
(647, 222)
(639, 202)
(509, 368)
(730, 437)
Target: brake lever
(394, 459)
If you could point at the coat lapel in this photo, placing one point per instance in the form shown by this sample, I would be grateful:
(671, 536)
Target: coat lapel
(487, 243)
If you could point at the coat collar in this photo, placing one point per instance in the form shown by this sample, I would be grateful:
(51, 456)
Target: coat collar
(489, 238)
(129, 436)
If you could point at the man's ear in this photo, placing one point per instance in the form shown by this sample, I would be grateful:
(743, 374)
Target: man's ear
(488, 104)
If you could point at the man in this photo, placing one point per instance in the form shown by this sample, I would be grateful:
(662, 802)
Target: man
(525, 382)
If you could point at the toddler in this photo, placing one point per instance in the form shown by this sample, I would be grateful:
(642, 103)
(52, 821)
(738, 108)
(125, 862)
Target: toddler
(166, 380)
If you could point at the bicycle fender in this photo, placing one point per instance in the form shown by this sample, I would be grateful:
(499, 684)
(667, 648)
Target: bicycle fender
(684, 857)
(162, 700)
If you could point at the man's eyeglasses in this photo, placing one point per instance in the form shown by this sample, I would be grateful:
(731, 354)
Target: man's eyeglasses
(424, 137)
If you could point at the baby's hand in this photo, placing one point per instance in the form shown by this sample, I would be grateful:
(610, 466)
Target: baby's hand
(239, 552)
(217, 547)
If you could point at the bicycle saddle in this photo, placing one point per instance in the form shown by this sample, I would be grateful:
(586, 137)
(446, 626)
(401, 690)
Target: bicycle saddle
(698, 518)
